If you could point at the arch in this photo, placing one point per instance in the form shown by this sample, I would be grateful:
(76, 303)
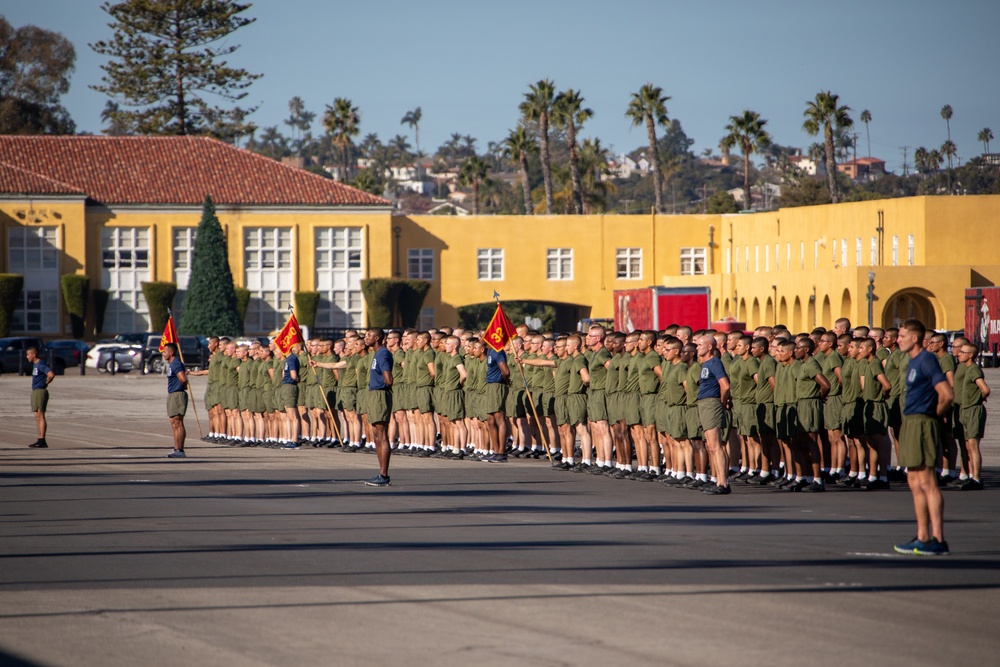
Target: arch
(726, 308)
(769, 312)
(715, 310)
(811, 313)
(912, 302)
(783, 312)
(827, 312)
(741, 312)
(845, 304)
(797, 324)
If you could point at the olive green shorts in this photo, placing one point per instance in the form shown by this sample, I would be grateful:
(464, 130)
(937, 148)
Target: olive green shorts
(810, 413)
(711, 414)
(39, 400)
(229, 397)
(301, 398)
(612, 403)
(876, 418)
(177, 403)
(379, 404)
(243, 398)
(765, 419)
(211, 395)
(515, 403)
(546, 405)
(662, 414)
(576, 408)
(452, 404)
(494, 397)
(919, 441)
(361, 401)
(314, 400)
(647, 409)
(561, 411)
(289, 396)
(973, 420)
(597, 407)
(746, 420)
(693, 423)
(833, 413)
(786, 421)
(629, 404)
(677, 422)
(895, 406)
(348, 399)
(422, 401)
(957, 428)
(853, 418)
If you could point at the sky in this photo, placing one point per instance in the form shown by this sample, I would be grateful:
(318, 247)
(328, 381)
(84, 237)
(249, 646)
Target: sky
(467, 64)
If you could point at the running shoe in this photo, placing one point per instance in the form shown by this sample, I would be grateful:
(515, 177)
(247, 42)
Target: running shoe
(177, 454)
(932, 548)
(378, 480)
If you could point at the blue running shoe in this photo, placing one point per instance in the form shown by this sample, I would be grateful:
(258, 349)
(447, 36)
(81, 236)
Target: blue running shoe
(378, 480)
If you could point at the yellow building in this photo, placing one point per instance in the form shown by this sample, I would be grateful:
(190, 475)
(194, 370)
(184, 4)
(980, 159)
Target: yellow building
(122, 210)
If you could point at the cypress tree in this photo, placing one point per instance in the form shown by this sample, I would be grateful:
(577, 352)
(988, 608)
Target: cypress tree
(210, 302)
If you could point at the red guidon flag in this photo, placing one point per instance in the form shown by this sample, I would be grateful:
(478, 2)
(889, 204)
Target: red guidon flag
(289, 335)
(169, 334)
(499, 330)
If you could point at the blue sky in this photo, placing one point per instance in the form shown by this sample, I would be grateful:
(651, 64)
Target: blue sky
(467, 64)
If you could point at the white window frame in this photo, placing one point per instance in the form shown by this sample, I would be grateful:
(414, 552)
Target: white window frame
(694, 261)
(125, 264)
(843, 252)
(874, 252)
(339, 266)
(268, 260)
(910, 250)
(857, 252)
(182, 240)
(33, 252)
(559, 264)
(420, 263)
(628, 263)
(425, 320)
(895, 250)
(489, 263)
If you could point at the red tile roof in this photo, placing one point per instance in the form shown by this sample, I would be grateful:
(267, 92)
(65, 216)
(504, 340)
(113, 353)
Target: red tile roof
(173, 170)
(14, 180)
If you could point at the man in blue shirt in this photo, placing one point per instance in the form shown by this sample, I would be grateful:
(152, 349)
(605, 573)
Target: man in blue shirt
(176, 398)
(380, 401)
(289, 395)
(928, 398)
(41, 377)
(494, 401)
(713, 400)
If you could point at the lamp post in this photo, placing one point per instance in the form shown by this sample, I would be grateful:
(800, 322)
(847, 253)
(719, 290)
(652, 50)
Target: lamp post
(397, 232)
(871, 297)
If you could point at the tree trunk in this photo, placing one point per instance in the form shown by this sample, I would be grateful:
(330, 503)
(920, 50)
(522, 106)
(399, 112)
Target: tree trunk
(543, 126)
(178, 78)
(831, 164)
(475, 197)
(748, 201)
(529, 207)
(654, 158)
(574, 168)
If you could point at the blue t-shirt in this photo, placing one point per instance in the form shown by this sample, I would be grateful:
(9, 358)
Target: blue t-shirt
(711, 372)
(493, 359)
(381, 362)
(291, 364)
(174, 384)
(922, 375)
(39, 374)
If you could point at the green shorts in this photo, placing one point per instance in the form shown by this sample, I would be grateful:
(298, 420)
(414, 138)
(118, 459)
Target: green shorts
(853, 418)
(243, 398)
(612, 404)
(379, 404)
(876, 418)
(765, 419)
(746, 420)
(258, 401)
(597, 407)
(647, 409)
(177, 404)
(229, 397)
(561, 411)
(211, 395)
(576, 408)
(677, 422)
(919, 441)
(289, 396)
(39, 400)
(361, 400)
(810, 413)
(957, 428)
(494, 397)
(348, 399)
(662, 413)
(786, 421)
(895, 406)
(515, 403)
(452, 404)
(711, 414)
(833, 413)
(973, 420)
(422, 399)
(314, 400)
(303, 394)
(693, 423)
(478, 409)
(546, 405)
(629, 404)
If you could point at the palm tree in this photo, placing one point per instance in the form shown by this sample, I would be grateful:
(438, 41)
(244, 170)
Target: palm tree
(985, 136)
(412, 118)
(569, 112)
(474, 172)
(537, 106)
(341, 121)
(823, 113)
(934, 160)
(866, 117)
(920, 160)
(946, 113)
(517, 146)
(400, 150)
(747, 132)
(649, 106)
(593, 166)
(948, 150)
(296, 106)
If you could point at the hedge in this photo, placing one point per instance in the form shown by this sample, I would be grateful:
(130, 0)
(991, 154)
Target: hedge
(159, 299)
(11, 285)
(381, 296)
(306, 304)
(242, 302)
(100, 305)
(411, 301)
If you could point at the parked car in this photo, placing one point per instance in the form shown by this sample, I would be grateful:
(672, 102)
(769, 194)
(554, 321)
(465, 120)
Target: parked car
(67, 354)
(12, 351)
(119, 358)
(132, 338)
(191, 347)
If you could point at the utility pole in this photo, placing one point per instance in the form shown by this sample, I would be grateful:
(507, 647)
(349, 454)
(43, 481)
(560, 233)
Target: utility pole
(905, 148)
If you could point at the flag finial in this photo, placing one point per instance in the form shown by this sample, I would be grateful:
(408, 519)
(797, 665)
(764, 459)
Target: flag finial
(496, 295)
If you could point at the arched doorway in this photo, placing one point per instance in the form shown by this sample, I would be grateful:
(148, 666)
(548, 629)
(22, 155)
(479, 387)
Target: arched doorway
(845, 304)
(827, 312)
(741, 314)
(725, 307)
(811, 316)
(797, 324)
(715, 311)
(911, 303)
(783, 312)
(768, 311)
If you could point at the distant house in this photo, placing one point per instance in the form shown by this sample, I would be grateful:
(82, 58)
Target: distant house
(448, 208)
(992, 159)
(761, 197)
(862, 168)
(622, 167)
(807, 165)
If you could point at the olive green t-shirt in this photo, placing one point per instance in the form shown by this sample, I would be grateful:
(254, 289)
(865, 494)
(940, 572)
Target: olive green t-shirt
(831, 361)
(805, 381)
(872, 390)
(767, 369)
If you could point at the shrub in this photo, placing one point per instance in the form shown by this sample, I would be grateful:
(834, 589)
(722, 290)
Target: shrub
(100, 305)
(242, 302)
(159, 299)
(11, 285)
(411, 300)
(306, 304)
(381, 295)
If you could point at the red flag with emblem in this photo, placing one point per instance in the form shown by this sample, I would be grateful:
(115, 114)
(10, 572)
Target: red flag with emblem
(289, 335)
(169, 334)
(499, 330)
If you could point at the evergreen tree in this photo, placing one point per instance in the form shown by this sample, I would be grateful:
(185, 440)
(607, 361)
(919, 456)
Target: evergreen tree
(166, 56)
(210, 302)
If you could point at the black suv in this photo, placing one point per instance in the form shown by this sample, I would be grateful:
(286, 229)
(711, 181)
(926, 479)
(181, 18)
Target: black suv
(12, 351)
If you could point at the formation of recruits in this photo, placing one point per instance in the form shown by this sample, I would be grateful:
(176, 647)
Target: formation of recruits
(695, 410)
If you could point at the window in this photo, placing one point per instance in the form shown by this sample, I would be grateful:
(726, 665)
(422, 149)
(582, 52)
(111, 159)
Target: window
(746, 258)
(788, 256)
(756, 259)
(490, 263)
(124, 266)
(559, 264)
(874, 256)
(835, 251)
(767, 258)
(895, 251)
(693, 261)
(183, 241)
(339, 274)
(420, 263)
(628, 263)
(843, 252)
(267, 257)
(426, 319)
(815, 254)
(34, 253)
(909, 249)
(857, 252)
